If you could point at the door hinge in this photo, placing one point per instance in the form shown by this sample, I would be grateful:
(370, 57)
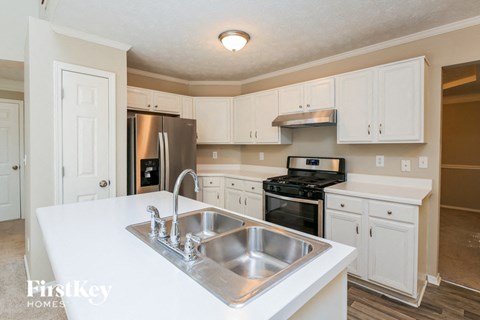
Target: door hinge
(63, 171)
(63, 93)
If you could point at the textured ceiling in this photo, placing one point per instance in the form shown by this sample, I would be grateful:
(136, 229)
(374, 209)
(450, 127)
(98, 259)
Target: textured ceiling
(178, 38)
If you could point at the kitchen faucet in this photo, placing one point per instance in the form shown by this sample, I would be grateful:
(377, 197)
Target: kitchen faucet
(175, 231)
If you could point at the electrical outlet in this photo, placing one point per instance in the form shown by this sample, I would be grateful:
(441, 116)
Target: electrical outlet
(423, 162)
(380, 161)
(261, 156)
(406, 165)
(214, 155)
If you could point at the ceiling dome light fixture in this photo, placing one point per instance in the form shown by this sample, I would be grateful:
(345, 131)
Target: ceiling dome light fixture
(234, 40)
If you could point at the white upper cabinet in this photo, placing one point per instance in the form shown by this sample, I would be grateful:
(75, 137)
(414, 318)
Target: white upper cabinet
(213, 116)
(153, 101)
(355, 106)
(400, 101)
(252, 119)
(187, 108)
(383, 104)
(307, 96)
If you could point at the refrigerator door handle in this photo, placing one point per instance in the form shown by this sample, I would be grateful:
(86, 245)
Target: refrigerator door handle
(167, 163)
(162, 161)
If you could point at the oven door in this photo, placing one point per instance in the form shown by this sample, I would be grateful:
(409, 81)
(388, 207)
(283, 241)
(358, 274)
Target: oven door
(299, 214)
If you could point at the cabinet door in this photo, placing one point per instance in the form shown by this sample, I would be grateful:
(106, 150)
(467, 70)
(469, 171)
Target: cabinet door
(346, 228)
(138, 98)
(234, 200)
(253, 205)
(392, 254)
(354, 100)
(211, 196)
(243, 119)
(266, 110)
(187, 108)
(400, 104)
(290, 99)
(166, 102)
(213, 119)
(320, 94)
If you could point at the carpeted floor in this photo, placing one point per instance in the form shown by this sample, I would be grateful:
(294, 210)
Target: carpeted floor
(14, 303)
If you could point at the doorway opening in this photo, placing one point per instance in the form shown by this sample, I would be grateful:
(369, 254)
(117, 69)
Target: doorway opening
(459, 253)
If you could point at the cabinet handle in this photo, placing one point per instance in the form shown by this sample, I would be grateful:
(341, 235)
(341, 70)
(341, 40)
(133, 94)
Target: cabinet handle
(240, 200)
(218, 195)
(300, 106)
(255, 134)
(356, 228)
(156, 106)
(371, 235)
(389, 211)
(380, 128)
(368, 129)
(250, 134)
(342, 205)
(245, 201)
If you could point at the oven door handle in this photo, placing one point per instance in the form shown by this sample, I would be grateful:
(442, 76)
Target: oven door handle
(291, 199)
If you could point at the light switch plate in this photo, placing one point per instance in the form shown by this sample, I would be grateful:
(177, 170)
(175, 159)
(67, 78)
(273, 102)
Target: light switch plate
(261, 156)
(214, 155)
(423, 162)
(406, 165)
(379, 161)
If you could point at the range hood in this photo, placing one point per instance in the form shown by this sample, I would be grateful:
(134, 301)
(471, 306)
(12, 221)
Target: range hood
(307, 119)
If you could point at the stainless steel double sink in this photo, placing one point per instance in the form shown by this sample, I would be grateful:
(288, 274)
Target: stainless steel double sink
(238, 258)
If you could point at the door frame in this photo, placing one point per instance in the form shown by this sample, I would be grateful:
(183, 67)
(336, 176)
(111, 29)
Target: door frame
(58, 68)
(21, 155)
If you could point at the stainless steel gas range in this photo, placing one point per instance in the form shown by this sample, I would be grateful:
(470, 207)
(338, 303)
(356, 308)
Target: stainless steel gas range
(296, 200)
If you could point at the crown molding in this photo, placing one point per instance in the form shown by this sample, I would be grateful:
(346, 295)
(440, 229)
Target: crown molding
(156, 76)
(11, 85)
(89, 37)
(357, 52)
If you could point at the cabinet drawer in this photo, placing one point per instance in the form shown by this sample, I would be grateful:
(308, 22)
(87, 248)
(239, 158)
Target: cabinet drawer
(211, 181)
(344, 203)
(254, 187)
(392, 211)
(234, 183)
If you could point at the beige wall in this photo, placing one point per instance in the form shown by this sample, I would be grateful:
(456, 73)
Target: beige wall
(43, 48)
(13, 95)
(214, 90)
(226, 154)
(141, 81)
(461, 146)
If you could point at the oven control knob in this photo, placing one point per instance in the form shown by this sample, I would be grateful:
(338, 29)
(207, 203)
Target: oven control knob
(270, 188)
(276, 189)
(301, 193)
(309, 194)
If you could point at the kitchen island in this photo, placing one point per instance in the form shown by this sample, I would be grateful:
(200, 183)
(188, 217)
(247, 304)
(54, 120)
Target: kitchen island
(88, 242)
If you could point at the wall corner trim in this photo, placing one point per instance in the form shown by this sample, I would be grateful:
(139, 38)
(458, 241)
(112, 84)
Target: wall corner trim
(89, 37)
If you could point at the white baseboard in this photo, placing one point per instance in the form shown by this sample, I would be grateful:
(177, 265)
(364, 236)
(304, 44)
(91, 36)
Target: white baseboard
(459, 285)
(435, 280)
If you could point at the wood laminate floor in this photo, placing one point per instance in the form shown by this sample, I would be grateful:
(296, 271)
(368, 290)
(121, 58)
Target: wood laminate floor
(443, 302)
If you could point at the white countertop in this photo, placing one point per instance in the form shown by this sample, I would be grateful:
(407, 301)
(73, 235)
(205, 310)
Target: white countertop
(88, 241)
(395, 189)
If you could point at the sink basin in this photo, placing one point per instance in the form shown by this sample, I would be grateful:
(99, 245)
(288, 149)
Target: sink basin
(238, 258)
(255, 252)
(206, 224)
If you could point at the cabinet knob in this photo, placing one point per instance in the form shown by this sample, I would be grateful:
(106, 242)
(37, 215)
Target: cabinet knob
(342, 205)
(300, 106)
(308, 105)
(233, 184)
(15, 167)
(156, 106)
(148, 106)
(253, 188)
(210, 182)
(389, 211)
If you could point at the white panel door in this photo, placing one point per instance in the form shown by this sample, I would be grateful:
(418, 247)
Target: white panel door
(392, 254)
(266, 110)
(354, 100)
(211, 196)
(166, 102)
(85, 137)
(213, 119)
(290, 99)
(234, 200)
(9, 161)
(253, 205)
(138, 98)
(320, 94)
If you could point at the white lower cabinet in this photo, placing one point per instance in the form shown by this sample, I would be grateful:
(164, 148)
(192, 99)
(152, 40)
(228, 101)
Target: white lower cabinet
(244, 196)
(212, 191)
(386, 236)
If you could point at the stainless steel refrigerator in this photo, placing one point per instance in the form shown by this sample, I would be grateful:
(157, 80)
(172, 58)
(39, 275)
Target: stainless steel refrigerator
(159, 148)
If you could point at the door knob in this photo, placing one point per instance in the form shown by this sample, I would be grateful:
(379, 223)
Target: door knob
(103, 183)
(15, 167)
